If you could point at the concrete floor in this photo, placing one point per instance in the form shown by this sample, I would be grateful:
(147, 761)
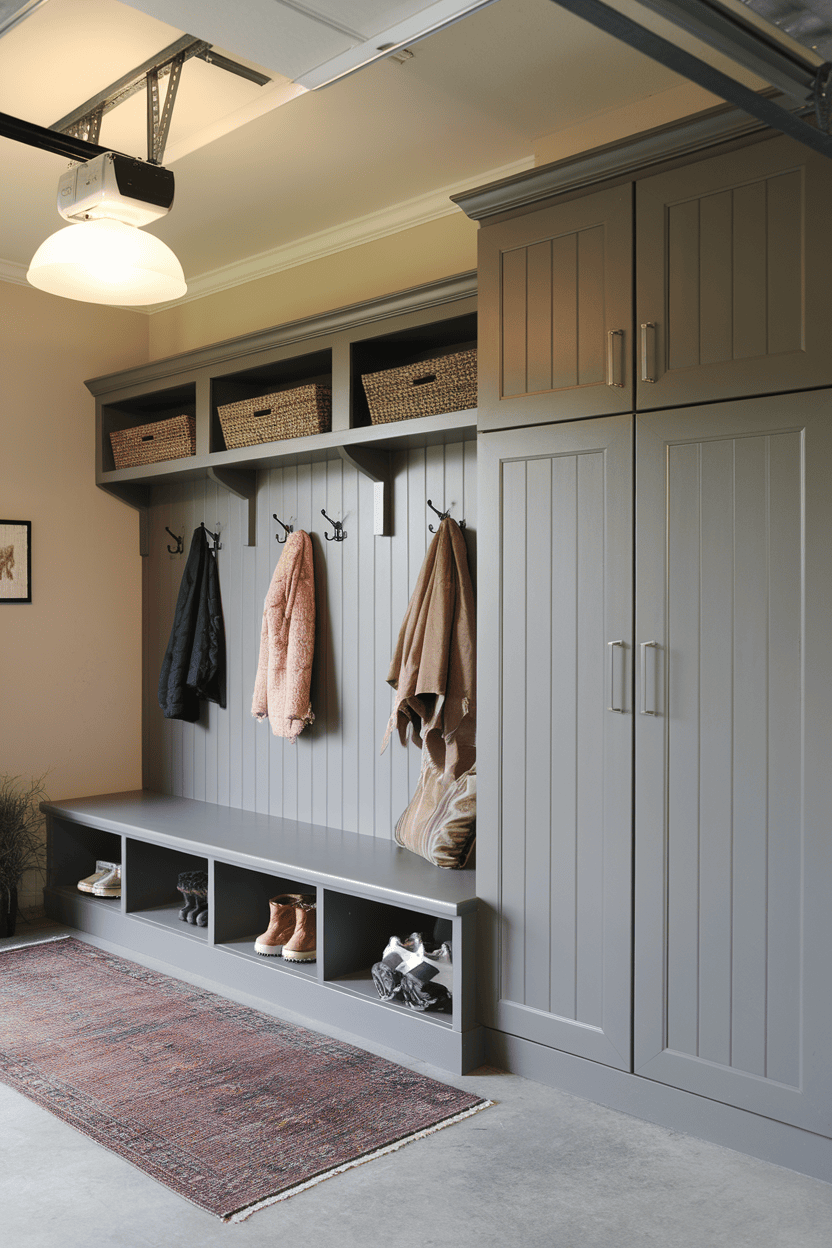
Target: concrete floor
(539, 1169)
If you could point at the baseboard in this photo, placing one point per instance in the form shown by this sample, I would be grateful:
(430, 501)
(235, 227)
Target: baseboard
(748, 1133)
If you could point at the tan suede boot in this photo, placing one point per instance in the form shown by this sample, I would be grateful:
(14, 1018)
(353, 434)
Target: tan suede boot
(302, 946)
(282, 912)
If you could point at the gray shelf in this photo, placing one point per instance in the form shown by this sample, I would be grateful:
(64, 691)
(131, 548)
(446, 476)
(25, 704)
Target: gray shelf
(419, 431)
(366, 887)
(344, 861)
(168, 918)
(360, 984)
(245, 949)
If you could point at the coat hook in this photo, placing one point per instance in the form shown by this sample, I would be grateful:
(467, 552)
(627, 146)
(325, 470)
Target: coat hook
(339, 534)
(178, 540)
(215, 537)
(443, 515)
(287, 529)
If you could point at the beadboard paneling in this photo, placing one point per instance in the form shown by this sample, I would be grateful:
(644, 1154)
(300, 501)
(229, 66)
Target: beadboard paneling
(334, 775)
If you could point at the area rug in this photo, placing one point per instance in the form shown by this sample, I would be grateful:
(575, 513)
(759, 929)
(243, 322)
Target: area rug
(226, 1106)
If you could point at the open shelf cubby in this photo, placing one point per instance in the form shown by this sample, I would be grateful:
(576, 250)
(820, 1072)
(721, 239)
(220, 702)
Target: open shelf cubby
(314, 368)
(366, 891)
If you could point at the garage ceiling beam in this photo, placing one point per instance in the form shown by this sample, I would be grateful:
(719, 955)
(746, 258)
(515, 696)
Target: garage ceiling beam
(698, 71)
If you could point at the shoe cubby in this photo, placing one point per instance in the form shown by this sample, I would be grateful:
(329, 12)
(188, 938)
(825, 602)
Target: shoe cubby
(355, 935)
(366, 890)
(149, 886)
(406, 346)
(314, 368)
(72, 851)
(145, 409)
(241, 914)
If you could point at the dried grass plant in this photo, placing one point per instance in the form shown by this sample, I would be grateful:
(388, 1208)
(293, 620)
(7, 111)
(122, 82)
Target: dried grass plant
(21, 844)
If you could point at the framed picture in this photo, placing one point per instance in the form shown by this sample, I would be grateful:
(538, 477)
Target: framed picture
(15, 561)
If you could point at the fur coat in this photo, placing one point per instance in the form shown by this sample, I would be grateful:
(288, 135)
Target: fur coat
(287, 642)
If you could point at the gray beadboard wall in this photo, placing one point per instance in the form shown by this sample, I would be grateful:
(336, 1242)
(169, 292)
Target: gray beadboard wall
(334, 775)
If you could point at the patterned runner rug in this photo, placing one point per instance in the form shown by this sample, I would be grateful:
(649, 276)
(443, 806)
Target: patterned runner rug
(228, 1107)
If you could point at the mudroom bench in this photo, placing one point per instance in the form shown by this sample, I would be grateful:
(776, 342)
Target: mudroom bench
(367, 889)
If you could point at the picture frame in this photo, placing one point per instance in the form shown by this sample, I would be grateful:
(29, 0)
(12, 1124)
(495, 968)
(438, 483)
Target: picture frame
(15, 561)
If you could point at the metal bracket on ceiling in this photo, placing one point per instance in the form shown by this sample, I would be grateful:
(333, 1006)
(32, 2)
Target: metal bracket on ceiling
(823, 97)
(695, 70)
(84, 122)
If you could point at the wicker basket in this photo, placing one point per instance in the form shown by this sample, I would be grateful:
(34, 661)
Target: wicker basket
(148, 444)
(445, 384)
(285, 414)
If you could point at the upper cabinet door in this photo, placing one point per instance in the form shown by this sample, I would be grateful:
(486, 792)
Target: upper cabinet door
(555, 313)
(734, 260)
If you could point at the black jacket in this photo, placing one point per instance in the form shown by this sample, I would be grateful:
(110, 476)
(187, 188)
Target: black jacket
(194, 662)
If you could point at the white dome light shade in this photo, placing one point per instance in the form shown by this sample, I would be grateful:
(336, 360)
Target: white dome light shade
(107, 261)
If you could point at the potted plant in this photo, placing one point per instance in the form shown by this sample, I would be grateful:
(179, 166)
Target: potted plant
(21, 844)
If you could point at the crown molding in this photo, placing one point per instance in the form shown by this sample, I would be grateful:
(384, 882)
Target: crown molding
(365, 229)
(14, 273)
(406, 215)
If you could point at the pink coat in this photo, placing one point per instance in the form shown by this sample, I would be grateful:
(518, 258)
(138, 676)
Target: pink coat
(287, 642)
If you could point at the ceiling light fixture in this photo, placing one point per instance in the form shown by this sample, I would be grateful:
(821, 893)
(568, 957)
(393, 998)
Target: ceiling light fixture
(107, 261)
(104, 257)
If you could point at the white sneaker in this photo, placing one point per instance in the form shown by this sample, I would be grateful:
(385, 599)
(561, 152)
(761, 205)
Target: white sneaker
(398, 957)
(429, 984)
(101, 869)
(109, 885)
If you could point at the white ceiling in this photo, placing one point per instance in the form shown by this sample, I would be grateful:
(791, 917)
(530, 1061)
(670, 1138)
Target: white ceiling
(389, 142)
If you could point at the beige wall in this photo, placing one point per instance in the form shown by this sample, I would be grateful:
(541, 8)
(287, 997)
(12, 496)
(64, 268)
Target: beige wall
(70, 662)
(620, 123)
(424, 253)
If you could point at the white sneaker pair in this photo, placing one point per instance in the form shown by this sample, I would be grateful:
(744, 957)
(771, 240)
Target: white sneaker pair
(422, 977)
(101, 869)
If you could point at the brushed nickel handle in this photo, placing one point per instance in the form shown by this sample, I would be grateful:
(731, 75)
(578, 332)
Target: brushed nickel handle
(612, 645)
(648, 351)
(615, 359)
(645, 645)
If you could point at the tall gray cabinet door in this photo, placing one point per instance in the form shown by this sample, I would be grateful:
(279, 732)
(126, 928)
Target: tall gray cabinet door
(733, 792)
(555, 312)
(734, 264)
(554, 818)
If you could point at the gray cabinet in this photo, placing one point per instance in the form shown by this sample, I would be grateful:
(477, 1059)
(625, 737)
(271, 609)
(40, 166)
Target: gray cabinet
(719, 695)
(556, 313)
(733, 262)
(555, 740)
(733, 781)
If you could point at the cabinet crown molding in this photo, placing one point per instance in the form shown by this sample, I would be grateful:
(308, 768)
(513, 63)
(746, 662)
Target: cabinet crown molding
(636, 156)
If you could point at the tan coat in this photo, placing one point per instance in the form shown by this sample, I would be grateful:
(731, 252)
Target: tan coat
(434, 674)
(287, 642)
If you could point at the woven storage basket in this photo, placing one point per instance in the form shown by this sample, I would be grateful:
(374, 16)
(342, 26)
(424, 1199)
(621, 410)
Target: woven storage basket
(148, 444)
(445, 384)
(285, 414)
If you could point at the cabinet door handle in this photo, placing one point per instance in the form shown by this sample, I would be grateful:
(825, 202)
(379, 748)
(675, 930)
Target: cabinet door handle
(615, 366)
(612, 645)
(648, 351)
(645, 710)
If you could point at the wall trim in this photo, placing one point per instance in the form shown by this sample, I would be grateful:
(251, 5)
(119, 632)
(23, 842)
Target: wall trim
(420, 210)
(14, 273)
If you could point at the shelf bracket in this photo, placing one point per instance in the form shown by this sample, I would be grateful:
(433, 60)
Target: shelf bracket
(243, 483)
(375, 465)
